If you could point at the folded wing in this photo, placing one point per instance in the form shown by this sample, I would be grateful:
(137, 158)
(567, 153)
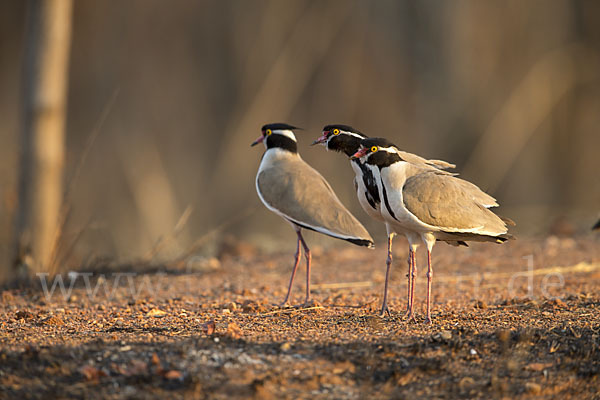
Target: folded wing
(300, 194)
(451, 204)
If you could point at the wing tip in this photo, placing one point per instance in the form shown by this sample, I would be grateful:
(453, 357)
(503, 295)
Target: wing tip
(441, 164)
(354, 240)
(509, 221)
(368, 243)
(504, 237)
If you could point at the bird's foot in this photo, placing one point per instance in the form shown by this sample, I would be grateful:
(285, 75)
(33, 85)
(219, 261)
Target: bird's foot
(310, 303)
(385, 310)
(284, 304)
(428, 320)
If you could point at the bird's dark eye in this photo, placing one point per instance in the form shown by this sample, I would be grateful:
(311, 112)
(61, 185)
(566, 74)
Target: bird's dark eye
(268, 132)
(336, 131)
(374, 149)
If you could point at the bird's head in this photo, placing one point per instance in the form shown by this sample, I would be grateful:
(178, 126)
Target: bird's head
(278, 135)
(342, 138)
(377, 151)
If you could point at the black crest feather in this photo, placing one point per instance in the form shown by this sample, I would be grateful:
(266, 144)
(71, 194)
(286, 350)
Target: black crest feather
(343, 127)
(279, 125)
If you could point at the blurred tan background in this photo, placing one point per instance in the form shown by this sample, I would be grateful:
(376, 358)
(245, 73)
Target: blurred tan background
(167, 97)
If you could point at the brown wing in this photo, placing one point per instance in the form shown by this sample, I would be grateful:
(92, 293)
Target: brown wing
(449, 203)
(478, 195)
(302, 195)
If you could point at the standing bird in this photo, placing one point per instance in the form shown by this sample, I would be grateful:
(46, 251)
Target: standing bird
(428, 205)
(294, 190)
(345, 139)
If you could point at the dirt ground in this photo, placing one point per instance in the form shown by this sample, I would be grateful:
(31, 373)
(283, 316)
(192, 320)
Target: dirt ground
(519, 320)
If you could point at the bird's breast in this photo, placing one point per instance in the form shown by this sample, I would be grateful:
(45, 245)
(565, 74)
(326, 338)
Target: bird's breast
(391, 182)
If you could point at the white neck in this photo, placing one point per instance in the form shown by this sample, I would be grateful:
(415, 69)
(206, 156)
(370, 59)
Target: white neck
(286, 132)
(352, 134)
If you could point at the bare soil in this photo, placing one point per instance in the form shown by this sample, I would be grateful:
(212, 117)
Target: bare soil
(520, 320)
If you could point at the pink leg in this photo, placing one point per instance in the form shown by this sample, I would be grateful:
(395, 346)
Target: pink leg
(307, 255)
(296, 262)
(411, 314)
(429, 280)
(409, 280)
(388, 262)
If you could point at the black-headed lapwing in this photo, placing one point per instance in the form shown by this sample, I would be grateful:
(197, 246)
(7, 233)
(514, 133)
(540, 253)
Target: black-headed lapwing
(428, 205)
(294, 190)
(345, 139)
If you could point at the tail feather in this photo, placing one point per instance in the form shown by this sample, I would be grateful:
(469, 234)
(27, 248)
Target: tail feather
(366, 242)
(504, 237)
(455, 243)
(510, 222)
(440, 164)
(361, 242)
(459, 238)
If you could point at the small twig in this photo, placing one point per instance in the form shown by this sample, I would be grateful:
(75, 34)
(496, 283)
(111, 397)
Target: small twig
(291, 310)
(164, 240)
(368, 303)
(78, 235)
(65, 208)
(406, 345)
(63, 217)
(219, 228)
(580, 267)
(183, 220)
(341, 285)
(91, 140)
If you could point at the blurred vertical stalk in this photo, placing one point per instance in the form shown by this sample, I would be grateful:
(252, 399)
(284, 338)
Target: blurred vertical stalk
(529, 104)
(43, 133)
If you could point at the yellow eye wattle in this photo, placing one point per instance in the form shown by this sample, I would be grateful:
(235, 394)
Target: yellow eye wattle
(336, 131)
(268, 132)
(373, 149)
